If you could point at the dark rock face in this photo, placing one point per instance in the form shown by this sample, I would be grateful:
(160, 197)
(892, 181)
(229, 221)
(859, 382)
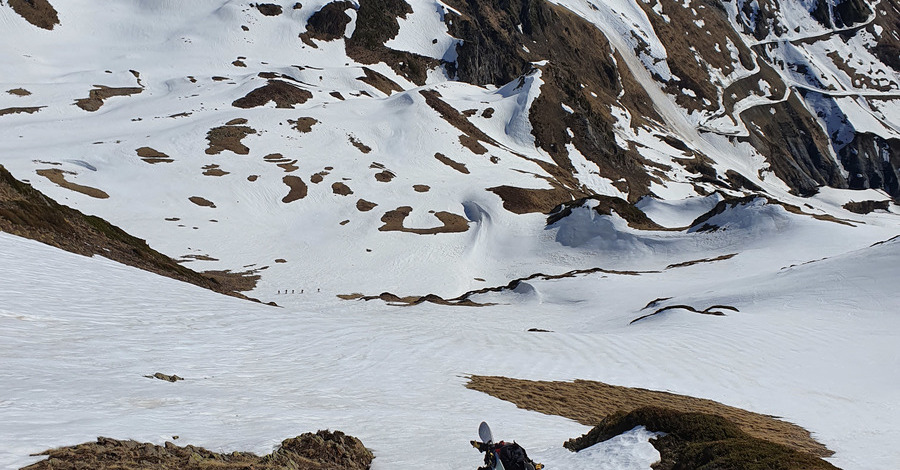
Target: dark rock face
(330, 22)
(794, 145)
(581, 75)
(872, 162)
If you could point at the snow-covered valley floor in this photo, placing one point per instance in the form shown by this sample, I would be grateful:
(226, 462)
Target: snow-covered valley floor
(815, 343)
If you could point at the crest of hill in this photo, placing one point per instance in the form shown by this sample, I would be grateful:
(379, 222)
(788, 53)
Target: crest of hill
(26, 212)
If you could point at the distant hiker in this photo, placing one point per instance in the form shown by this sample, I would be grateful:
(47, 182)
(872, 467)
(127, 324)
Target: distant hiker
(279, 291)
(292, 291)
(318, 290)
(502, 455)
(301, 291)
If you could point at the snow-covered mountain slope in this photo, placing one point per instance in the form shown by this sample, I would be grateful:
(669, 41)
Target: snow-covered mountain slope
(599, 155)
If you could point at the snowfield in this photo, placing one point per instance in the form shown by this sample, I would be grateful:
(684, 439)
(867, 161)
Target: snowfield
(811, 333)
(814, 343)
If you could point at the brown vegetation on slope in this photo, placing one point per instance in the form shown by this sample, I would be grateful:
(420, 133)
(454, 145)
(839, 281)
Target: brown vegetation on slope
(27, 213)
(323, 450)
(37, 12)
(100, 93)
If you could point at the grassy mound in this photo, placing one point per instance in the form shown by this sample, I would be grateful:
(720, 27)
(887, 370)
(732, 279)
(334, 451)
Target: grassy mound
(323, 450)
(701, 441)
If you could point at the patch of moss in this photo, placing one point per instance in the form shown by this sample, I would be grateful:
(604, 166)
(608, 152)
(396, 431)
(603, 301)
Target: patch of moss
(700, 441)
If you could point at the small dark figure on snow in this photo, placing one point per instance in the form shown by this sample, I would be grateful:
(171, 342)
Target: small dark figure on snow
(505, 456)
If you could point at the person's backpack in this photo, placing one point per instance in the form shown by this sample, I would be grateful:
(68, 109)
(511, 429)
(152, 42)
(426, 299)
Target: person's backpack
(513, 457)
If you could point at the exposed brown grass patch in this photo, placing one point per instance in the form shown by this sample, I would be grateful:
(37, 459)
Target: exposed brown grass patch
(324, 450)
(37, 12)
(359, 145)
(379, 81)
(18, 110)
(605, 205)
(298, 189)
(471, 133)
(865, 207)
(58, 177)
(421, 188)
(100, 93)
(589, 402)
(202, 202)
(304, 124)
(228, 137)
(213, 170)
(26, 212)
(460, 167)
(341, 189)
(150, 155)
(385, 176)
(282, 93)
(524, 201)
(19, 92)
(451, 223)
(268, 9)
(363, 205)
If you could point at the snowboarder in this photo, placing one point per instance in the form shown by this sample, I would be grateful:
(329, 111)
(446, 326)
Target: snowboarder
(502, 455)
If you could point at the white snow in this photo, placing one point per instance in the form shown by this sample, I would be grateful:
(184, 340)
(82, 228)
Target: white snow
(815, 340)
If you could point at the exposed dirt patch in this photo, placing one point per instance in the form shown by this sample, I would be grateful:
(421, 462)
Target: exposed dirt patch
(19, 92)
(324, 450)
(213, 170)
(460, 167)
(236, 122)
(282, 93)
(100, 93)
(298, 189)
(165, 377)
(26, 212)
(359, 145)
(252, 178)
(150, 155)
(58, 177)
(16, 110)
(341, 189)
(202, 202)
(37, 12)
(363, 205)
(524, 201)
(238, 63)
(421, 188)
(865, 207)
(304, 124)
(589, 402)
(228, 138)
(452, 223)
(268, 9)
(379, 81)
